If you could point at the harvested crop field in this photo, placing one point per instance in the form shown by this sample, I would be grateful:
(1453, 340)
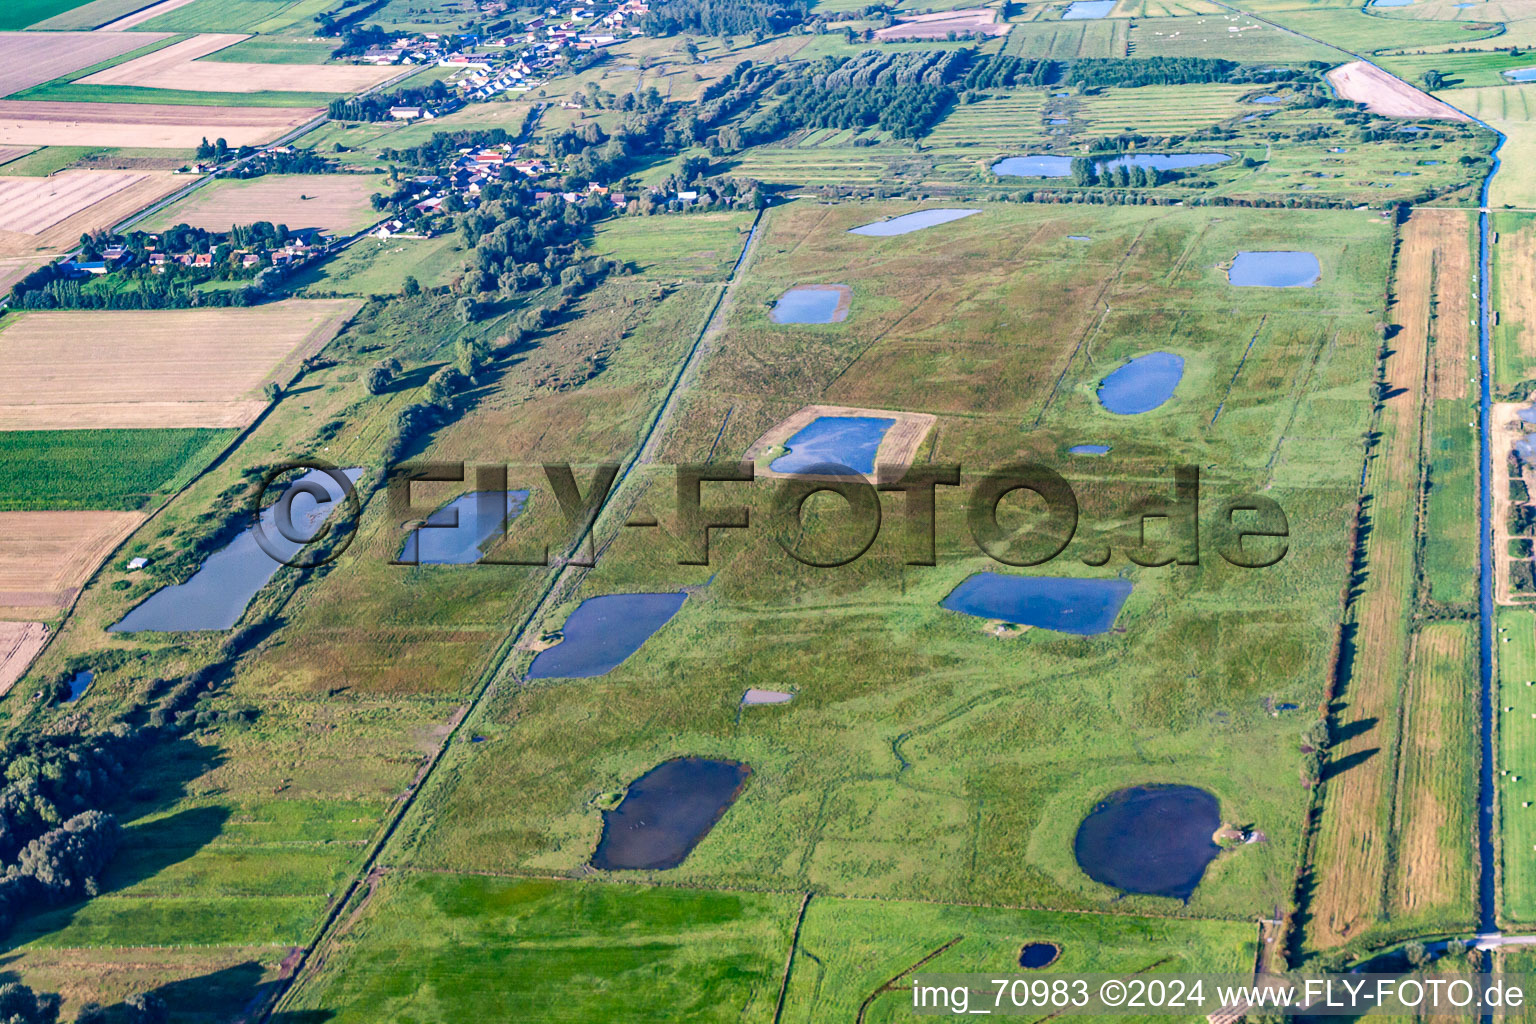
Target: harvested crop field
(177, 67)
(162, 368)
(46, 557)
(982, 21)
(31, 58)
(1387, 94)
(897, 448)
(142, 125)
(334, 202)
(20, 642)
(50, 214)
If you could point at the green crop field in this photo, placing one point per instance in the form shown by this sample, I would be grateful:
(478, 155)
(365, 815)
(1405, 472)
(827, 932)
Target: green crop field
(101, 469)
(1515, 649)
(263, 16)
(19, 14)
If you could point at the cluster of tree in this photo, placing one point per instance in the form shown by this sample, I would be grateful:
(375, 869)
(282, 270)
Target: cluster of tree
(376, 107)
(1089, 171)
(517, 245)
(444, 146)
(1129, 72)
(20, 1005)
(890, 67)
(298, 161)
(159, 292)
(867, 97)
(724, 17)
(356, 39)
(1314, 751)
(1001, 71)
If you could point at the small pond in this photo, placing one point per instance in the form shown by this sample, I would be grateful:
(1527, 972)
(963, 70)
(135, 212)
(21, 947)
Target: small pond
(1088, 449)
(908, 222)
(1150, 839)
(1142, 384)
(1036, 955)
(602, 632)
(666, 812)
(216, 595)
(1061, 603)
(1058, 120)
(1521, 75)
(1267, 98)
(1082, 10)
(1277, 269)
(78, 684)
(756, 696)
(452, 535)
(850, 441)
(812, 304)
(1079, 238)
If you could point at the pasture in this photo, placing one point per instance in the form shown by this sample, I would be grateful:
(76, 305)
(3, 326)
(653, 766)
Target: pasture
(55, 123)
(331, 202)
(46, 557)
(171, 368)
(1515, 778)
(49, 214)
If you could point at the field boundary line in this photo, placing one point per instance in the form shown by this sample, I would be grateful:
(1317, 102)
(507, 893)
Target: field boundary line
(789, 961)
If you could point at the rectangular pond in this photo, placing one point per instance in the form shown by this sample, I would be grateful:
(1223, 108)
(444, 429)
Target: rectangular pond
(603, 632)
(1276, 269)
(1052, 165)
(217, 594)
(453, 534)
(828, 441)
(1062, 603)
(909, 222)
(812, 304)
(1084, 10)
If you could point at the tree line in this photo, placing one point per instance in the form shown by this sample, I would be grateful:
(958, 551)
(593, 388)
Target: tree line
(724, 17)
(376, 107)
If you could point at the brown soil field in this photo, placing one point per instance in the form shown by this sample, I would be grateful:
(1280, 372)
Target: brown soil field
(48, 215)
(9, 153)
(1387, 94)
(20, 642)
(1441, 246)
(335, 202)
(143, 125)
(1350, 853)
(177, 67)
(46, 557)
(162, 368)
(897, 449)
(139, 17)
(32, 58)
(980, 20)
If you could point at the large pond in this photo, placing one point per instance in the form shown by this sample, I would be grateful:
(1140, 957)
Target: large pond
(1142, 384)
(602, 632)
(812, 304)
(1150, 839)
(1082, 10)
(1277, 269)
(1061, 603)
(666, 812)
(1047, 165)
(850, 441)
(217, 594)
(452, 535)
(910, 222)
(1521, 75)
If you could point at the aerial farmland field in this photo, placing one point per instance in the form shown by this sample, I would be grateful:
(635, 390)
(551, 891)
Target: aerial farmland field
(334, 202)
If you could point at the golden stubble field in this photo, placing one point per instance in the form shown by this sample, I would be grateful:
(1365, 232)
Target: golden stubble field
(46, 557)
(142, 125)
(48, 215)
(160, 368)
(31, 58)
(177, 67)
(332, 202)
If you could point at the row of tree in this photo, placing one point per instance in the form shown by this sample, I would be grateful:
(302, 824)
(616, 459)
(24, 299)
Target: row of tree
(376, 107)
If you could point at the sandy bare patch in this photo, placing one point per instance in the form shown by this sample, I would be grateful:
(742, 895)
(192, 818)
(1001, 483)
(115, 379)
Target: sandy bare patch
(192, 367)
(151, 125)
(897, 448)
(978, 20)
(1387, 94)
(32, 58)
(48, 215)
(334, 202)
(20, 642)
(141, 16)
(46, 557)
(755, 696)
(177, 67)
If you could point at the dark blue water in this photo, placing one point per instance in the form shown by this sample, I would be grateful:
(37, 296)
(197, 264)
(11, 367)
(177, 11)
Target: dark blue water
(217, 594)
(837, 440)
(908, 222)
(1036, 955)
(1142, 384)
(603, 632)
(452, 535)
(810, 304)
(1521, 75)
(78, 684)
(1061, 603)
(1277, 269)
(666, 812)
(1088, 449)
(1083, 10)
(1150, 839)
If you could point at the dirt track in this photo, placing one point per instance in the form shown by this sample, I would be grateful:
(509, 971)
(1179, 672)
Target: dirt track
(1387, 94)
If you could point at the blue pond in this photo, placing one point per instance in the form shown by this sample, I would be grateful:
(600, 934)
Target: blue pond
(1061, 603)
(1035, 166)
(1142, 384)
(1088, 449)
(1045, 165)
(216, 595)
(603, 632)
(1079, 238)
(1268, 98)
(1036, 955)
(452, 535)
(849, 441)
(1278, 269)
(1083, 10)
(811, 304)
(1165, 161)
(910, 222)
(666, 812)
(1521, 75)
(78, 684)
(1150, 839)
